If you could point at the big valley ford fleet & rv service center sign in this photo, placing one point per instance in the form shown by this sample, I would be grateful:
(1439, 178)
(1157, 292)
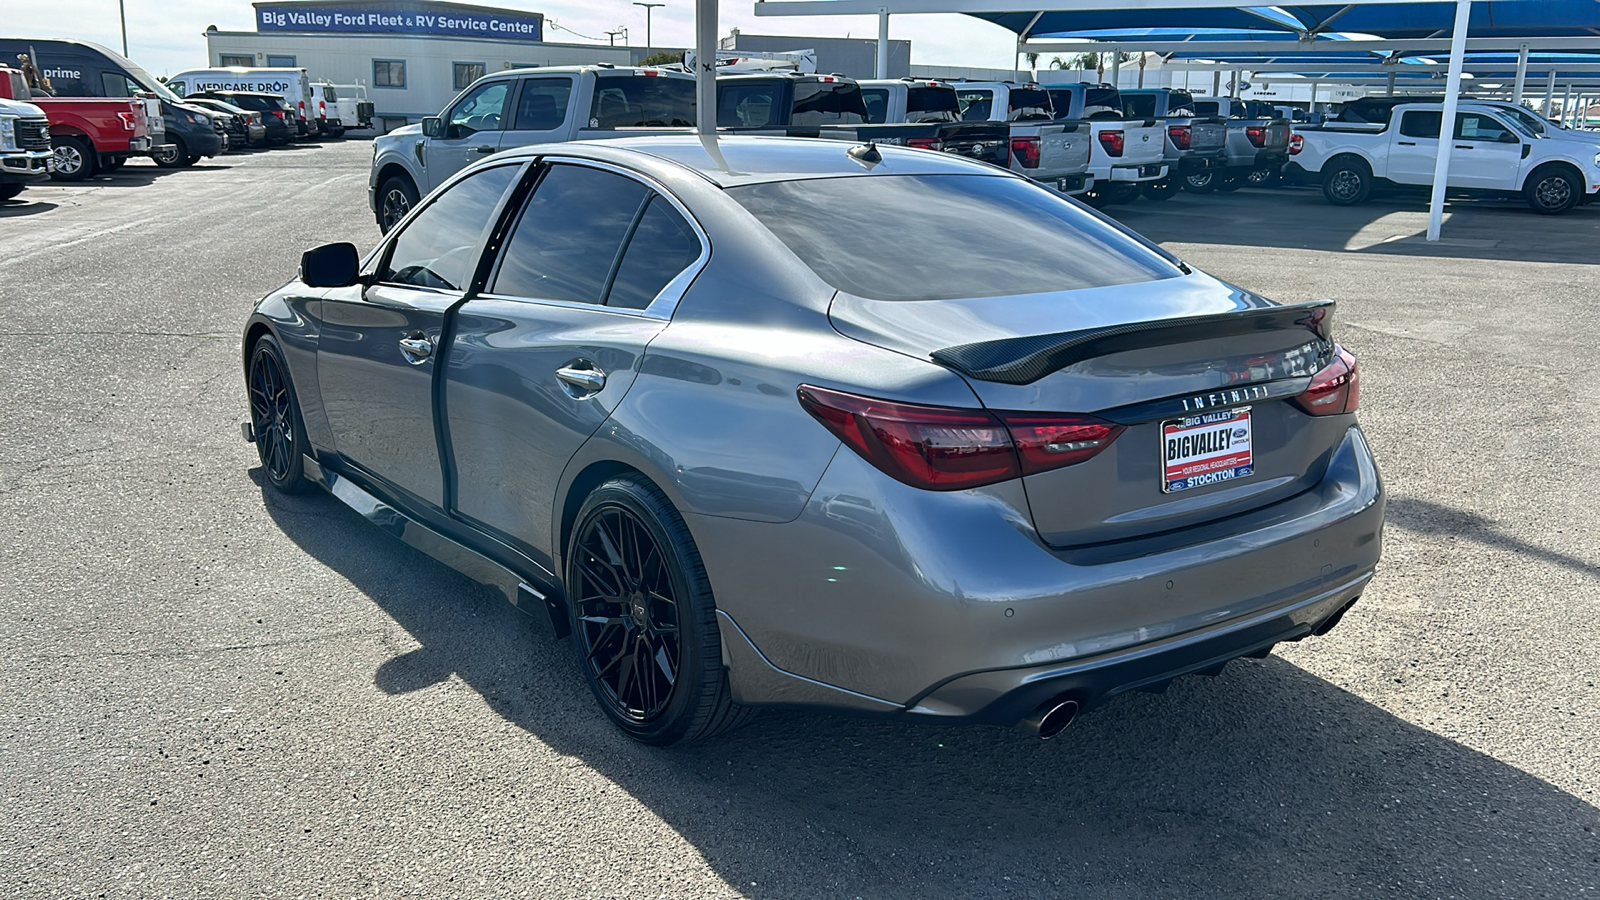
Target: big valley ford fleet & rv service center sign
(401, 18)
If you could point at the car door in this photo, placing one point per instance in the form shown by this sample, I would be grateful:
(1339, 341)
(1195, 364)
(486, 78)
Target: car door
(473, 128)
(1486, 154)
(1416, 146)
(540, 113)
(590, 273)
(375, 356)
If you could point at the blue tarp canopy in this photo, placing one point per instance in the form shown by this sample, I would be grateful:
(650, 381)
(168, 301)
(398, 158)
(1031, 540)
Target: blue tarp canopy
(1490, 18)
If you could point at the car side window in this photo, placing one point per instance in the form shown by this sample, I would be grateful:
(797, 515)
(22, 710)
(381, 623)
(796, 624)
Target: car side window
(482, 110)
(662, 245)
(975, 105)
(1421, 123)
(542, 106)
(438, 248)
(748, 105)
(877, 100)
(566, 241)
(1475, 127)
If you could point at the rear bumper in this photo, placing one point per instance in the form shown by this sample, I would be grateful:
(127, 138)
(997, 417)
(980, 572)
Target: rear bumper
(883, 598)
(1271, 159)
(1132, 172)
(1193, 162)
(24, 166)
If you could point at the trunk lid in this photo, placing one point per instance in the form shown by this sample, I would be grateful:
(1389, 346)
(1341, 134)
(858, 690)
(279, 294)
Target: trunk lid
(1139, 377)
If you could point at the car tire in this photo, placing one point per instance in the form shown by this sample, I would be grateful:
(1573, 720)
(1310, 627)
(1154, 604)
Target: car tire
(75, 159)
(193, 159)
(10, 191)
(622, 607)
(1165, 189)
(396, 196)
(171, 156)
(1552, 190)
(1265, 176)
(1200, 182)
(275, 419)
(1347, 182)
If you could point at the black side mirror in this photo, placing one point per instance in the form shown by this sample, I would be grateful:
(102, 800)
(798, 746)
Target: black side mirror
(1508, 138)
(433, 127)
(331, 265)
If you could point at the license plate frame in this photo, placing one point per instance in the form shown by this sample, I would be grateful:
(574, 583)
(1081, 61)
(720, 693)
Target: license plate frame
(1217, 452)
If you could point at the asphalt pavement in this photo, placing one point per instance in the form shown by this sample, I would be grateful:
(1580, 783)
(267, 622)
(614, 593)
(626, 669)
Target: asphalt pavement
(209, 690)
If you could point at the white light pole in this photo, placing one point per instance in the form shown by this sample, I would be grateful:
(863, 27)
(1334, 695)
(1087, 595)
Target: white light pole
(1447, 121)
(123, 15)
(649, 47)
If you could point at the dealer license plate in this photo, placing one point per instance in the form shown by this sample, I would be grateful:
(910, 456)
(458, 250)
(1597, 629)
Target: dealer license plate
(1205, 448)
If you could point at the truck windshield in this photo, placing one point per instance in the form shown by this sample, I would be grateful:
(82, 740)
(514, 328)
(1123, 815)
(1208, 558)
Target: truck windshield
(1050, 243)
(639, 101)
(932, 104)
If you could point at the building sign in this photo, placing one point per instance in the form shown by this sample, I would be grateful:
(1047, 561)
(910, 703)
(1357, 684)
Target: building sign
(406, 19)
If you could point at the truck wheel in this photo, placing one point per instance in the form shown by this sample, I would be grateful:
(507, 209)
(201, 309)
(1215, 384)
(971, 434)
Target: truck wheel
(1165, 189)
(1265, 176)
(173, 155)
(10, 191)
(1200, 182)
(75, 159)
(1552, 191)
(1347, 183)
(1231, 181)
(396, 196)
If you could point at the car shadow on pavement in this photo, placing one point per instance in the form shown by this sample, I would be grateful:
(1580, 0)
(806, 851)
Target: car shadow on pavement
(1429, 518)
(10, 209)
(1393, 225)
(1266, 781)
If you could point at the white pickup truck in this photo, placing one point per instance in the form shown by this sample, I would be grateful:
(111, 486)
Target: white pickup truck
(1128, 153)
(1046, 149)
(1492, 153)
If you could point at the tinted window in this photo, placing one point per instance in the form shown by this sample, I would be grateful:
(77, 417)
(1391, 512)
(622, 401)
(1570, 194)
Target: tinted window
(567, 238)
(1180, 104)
(932, 104)
(1478, 127)
(975, 105)
(877, 101)
(662, 246)
(750, 104)
(827, 103)
(1421, 123)
(1051, 244)
(642, 101)
(1029, 105)
(1207, 107)
(1141, 106)
(117, 84)
(543, 104)
(1102, 96)
(482, 110)
(437, 249)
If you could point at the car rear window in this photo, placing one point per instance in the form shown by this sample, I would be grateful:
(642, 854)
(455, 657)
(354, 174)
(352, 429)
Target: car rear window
(943, 237)
(1207, 107)
(932, 104)
(827, 103)
(1140, 105)
(1030, 105)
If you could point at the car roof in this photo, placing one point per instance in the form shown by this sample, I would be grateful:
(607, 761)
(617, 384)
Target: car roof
(754, 159)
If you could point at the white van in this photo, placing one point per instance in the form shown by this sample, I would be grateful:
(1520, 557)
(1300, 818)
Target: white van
(326, 109)
(293, 85)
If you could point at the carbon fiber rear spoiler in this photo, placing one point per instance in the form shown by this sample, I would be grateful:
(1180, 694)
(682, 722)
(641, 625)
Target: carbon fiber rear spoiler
(1024, 360)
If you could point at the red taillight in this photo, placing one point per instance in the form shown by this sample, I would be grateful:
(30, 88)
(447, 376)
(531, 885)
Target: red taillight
(322, 109)
(277, 112)
(1026, 150)
(942, 449)
(1112, 142)
(924, 143)
(127, 120)
(1297, 142)
(1257, 135)
(1334, 390)
(1181, 135)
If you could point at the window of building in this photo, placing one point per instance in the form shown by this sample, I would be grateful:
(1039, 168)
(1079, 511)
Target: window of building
(466, 74)
(228, 60)
(389, 73)
(286, 62)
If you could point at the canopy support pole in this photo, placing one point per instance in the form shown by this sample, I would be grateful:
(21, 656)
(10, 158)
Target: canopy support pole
(1116, 69)
(1522, 74)
(1447, 122)
(1566, 104)
(705, 71)
(1390, 91)
(883, 42)
(1216, 83)
(1550, 93)
(1313, 106)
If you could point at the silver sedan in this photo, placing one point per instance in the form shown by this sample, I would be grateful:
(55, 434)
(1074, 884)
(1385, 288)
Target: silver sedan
(784, 422)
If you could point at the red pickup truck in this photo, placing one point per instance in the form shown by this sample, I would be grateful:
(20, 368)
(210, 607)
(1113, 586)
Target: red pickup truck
(87, 134)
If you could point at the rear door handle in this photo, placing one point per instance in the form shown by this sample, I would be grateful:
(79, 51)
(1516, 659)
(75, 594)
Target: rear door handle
(581, 379)
(1463, 146)
(1408, 143)
(484, 149)
(416, 348)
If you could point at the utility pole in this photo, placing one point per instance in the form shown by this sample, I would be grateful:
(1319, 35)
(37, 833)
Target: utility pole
(613, 35)
(649, 46)
(122, 14)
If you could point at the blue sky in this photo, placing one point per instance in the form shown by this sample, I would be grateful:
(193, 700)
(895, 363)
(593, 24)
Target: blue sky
(166, 36)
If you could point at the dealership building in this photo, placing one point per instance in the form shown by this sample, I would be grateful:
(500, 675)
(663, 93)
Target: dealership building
(413, 56)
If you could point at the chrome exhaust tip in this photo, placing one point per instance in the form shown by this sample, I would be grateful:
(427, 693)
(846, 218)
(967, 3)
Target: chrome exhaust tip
(1052, 717)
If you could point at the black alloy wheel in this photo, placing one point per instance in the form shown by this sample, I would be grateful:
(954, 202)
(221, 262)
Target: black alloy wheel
(643, 619)
(275, 418)
(1552, 191)
(1263, 177)
(75, 159)
(396, 196)
(1200, 182)
(1347, 183)
(173, 155)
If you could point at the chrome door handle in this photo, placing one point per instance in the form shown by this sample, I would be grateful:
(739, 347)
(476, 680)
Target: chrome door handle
(581, 379)
(416, 348)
